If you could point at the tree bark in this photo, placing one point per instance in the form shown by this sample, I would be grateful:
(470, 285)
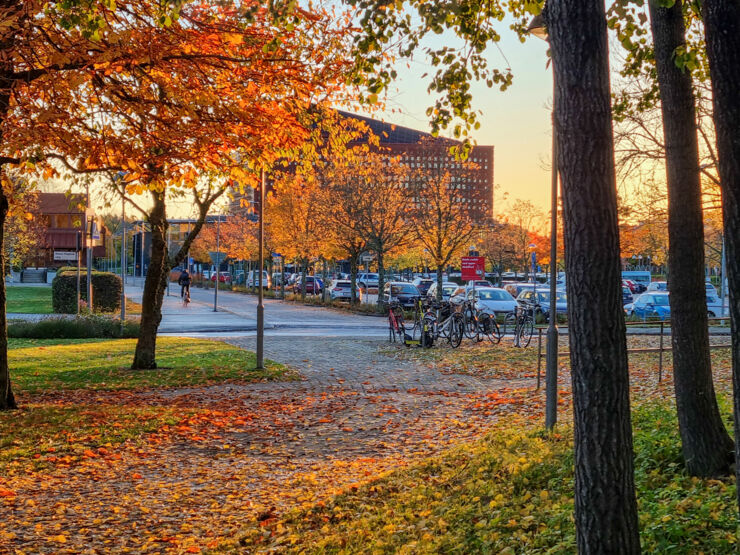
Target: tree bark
(440, 281)
(381, 278)
(722, 28)
(707, 447)
(605, 504)
(353, 279)
(154, 286)
(7, 399)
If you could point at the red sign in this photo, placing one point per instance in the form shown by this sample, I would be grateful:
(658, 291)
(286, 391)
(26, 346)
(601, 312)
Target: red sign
(473, 267)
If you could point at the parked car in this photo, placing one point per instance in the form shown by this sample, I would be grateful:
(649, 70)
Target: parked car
(711, 289)
(449, 289)
(423, 284)
(341, 289)
(650, 305)
(367, 280)
(633, 287)
(223, 277)
(314, 285)
(516, 287)
(253, 279)
(626, 295)
(542, 298)
(657, 286)
(478, 283)
(277, 279)
(404, 293)
(640, 278)
(493, 300)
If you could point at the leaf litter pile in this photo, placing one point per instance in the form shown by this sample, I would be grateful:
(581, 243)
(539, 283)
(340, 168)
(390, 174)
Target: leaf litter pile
(182, 470)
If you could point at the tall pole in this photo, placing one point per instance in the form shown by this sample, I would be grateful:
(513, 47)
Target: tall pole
(261, 293)
(551, 368)
(123, 259)
(168, 254)
(218, 262)
(88, 242)
(79, 256)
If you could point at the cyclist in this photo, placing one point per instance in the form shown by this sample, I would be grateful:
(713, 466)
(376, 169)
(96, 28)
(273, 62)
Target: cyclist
(184, 282)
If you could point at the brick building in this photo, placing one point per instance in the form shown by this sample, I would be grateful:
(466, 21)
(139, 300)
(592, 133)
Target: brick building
(418, 149)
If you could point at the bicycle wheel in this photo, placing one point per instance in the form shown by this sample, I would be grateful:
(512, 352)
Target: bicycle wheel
(526, 330)
(489, 328)
(470, 324)
(456, 330)
(400, 327)
(509, 323)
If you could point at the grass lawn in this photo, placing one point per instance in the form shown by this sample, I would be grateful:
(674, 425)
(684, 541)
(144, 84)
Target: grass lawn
(54, 364)
(29, 300)
(510, 492)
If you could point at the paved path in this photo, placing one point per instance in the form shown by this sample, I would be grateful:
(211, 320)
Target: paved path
(251, 451)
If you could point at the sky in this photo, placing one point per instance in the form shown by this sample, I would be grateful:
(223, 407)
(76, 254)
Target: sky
(517, 122)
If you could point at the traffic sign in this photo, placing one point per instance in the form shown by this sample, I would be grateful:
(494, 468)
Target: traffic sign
(472, 267)
(217, 257)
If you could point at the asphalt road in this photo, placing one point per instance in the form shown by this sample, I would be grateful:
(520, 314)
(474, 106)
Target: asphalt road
(237, 315)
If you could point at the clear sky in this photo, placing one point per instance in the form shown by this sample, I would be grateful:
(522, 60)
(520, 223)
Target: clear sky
(516, 122)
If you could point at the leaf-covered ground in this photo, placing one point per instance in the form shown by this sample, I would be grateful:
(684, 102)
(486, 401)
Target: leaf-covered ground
(198, 458)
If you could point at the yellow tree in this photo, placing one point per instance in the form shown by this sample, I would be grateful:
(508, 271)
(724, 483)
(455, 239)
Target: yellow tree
(441, 216)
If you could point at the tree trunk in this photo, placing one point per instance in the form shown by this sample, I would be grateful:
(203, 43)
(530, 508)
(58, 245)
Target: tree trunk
(304, 271)
(707, 447)
(605, 504)
(381, 278)
(154, 286)
(353, 279)
(722, 27)
(7, 399)
(439, 283)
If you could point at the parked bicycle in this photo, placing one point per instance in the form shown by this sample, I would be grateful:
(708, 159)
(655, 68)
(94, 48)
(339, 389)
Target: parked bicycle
(521, 322)
(479, 324)
(443, 320)
(396, 328)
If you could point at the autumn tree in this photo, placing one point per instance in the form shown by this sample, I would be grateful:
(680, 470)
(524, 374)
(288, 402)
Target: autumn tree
(722, 25)
(23, 227)
(440, 216)
(382, 215)
(217, 80)
(293, 220)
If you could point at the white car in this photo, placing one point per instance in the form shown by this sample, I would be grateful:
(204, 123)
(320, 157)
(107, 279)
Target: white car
(448, 289)
(493, 300)
(341, 289)
(367, 280)
(253, 279)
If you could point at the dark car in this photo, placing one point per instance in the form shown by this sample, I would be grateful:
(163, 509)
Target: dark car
(404, 293)
(314, 285)
(626, 295)
(423, 284)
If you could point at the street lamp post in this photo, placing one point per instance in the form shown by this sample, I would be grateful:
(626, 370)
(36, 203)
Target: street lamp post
(261, 293)
(218, 262)
(538, 29)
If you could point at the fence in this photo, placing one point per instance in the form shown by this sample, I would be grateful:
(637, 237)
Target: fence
(660, 349)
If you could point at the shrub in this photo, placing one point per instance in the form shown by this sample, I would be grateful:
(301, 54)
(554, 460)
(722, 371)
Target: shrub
(106, 291)
(74, 328)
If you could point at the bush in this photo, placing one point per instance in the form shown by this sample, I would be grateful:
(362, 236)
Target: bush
(74, 328)
(106, 291)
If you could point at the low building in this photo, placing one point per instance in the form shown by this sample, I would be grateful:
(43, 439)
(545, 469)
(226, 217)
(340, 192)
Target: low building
(64, 217)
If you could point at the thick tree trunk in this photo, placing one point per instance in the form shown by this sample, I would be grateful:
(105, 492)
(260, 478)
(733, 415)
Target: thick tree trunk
(722, 27)
(304, 271)
(707, 447)
(7, 399)
(605, 504)
(381, 278)
(154, 286)
(440, 281)
(353, 279)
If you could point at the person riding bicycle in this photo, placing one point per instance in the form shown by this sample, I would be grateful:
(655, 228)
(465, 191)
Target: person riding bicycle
(184, 282)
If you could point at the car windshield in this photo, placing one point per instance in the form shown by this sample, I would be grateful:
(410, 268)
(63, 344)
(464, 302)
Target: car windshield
(406, 289)
(544, 297)
(626, 290)
(342, 284)
(448, 289)
(660, 300)
(494, 296)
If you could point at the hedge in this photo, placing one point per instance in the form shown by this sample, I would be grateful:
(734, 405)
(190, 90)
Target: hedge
(106, 291)
(74, 328)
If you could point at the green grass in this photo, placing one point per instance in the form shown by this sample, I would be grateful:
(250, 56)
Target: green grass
(53, 364)
(29, 300)
(510, 492)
